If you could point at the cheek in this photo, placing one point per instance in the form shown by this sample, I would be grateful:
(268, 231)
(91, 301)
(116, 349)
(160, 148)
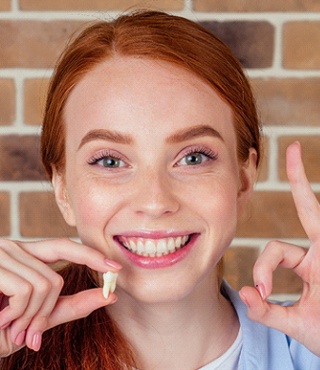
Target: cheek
(216, 197)
(91, 205)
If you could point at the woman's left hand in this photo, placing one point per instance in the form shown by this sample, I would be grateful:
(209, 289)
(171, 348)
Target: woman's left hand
(300, 321)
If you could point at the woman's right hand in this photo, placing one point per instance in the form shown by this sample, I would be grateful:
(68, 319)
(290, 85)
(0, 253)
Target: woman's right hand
(30, 300)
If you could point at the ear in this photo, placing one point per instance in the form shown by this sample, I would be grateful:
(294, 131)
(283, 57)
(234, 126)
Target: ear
(62, 198)
(247, 175)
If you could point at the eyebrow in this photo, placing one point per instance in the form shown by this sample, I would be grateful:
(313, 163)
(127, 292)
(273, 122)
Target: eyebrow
(193, 132)
(178, 137)
(107, 135)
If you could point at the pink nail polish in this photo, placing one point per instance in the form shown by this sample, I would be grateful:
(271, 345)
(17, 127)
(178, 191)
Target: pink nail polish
(261, 289)
(113, 264)
(20, 338)
(36, 341)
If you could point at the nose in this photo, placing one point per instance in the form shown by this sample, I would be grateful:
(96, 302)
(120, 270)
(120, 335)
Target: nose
(155, 194)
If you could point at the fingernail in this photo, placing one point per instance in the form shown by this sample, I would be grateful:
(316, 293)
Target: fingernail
(261, 289)
(113, 264)
(36, 341)
(20, 338)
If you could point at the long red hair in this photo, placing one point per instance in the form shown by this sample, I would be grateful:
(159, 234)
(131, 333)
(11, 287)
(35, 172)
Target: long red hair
(95, 343)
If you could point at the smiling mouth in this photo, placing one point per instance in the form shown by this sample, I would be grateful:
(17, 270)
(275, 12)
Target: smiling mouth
(153, 247)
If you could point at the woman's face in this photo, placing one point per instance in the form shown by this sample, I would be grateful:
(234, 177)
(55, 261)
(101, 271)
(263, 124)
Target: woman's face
(152, 178)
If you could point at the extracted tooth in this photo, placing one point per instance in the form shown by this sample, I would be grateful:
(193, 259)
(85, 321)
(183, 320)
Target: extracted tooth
(109, 283)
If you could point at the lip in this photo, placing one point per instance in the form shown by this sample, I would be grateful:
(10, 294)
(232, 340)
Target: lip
(157, 262)
(152, 234)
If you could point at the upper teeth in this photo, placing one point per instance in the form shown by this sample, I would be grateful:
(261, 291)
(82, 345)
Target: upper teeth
(154, 247)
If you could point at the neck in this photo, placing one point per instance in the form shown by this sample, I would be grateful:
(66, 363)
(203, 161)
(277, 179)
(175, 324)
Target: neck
(188, 333)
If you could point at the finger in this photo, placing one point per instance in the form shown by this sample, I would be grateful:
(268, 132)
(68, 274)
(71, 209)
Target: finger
(80, 305)
(28, 287)
(41, 303)
(51, 251)
(7, 346)
(266, 313)
(276, 254)
(67, 308)
(18, 301)
(305, 201)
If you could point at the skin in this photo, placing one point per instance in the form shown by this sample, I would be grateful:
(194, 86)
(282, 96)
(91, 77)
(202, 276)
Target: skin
(154, 190)
(153, 186)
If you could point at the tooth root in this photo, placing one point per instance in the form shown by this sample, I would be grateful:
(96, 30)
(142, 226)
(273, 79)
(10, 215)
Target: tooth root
(106, 290)
(109, 283)
(113, 286)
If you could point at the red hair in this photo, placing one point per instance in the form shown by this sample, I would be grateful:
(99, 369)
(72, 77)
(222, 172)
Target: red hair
(152, 35)
(95, 342)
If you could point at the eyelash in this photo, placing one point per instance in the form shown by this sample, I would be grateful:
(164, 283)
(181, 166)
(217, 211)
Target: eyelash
(101, 155)
(210, 154)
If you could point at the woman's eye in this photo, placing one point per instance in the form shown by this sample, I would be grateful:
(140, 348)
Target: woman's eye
(108, 161)
(111, 162)
(194, 159)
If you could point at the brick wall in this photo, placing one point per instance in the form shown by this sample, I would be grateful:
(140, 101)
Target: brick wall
(278, 42)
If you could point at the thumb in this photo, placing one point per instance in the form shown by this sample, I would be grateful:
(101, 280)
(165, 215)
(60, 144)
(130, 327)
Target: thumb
(77, 306)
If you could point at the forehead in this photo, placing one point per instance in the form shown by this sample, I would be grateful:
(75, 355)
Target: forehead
(132, 94)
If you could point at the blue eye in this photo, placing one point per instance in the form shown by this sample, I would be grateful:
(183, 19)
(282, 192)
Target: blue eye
(107, 161)
(197, 157)
(194, 159)
(111, 162)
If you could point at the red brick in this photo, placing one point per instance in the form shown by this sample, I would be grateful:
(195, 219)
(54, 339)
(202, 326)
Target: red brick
(5, 214)
(256, 5)
(301, 42)
(263, 170)
(5, 5)
(20, 159)
(238, 265)
(35, 91)
(271, 215)
(7, 101)
(99, 4)
(289, 101)
(33, 44)
(310, 152)
(285, 281)
(40, 217)
(252, 42)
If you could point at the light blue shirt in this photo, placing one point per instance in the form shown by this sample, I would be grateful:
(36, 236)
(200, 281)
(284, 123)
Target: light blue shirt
(265, 348)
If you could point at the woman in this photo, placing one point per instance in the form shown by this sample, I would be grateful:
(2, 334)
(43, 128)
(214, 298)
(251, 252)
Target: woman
(151, 140)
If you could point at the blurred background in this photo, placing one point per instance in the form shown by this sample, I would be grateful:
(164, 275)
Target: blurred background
(277, 42)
